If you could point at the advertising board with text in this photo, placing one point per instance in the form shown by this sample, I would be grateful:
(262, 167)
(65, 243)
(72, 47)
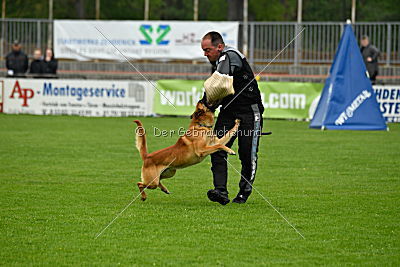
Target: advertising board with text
(78, 97)
(281, 99)
(90, 39)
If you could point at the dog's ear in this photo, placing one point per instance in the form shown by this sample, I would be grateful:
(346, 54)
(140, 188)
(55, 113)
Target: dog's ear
(197, 114)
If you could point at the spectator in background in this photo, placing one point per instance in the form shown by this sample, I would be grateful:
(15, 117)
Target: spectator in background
(370, 55)
(16, 60)
(50, 62)
(37, 65)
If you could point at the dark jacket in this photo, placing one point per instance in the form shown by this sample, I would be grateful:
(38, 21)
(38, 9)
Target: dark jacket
(51, 66)
(37, 67)
(17, 61)
(373, 52)
(233, 63)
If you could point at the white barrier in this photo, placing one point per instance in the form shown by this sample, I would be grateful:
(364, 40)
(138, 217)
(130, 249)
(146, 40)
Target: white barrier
(103, 98)
(77, 97)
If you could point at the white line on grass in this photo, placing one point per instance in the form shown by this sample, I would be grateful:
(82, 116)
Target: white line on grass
(127, 206)
(280, 52)
(266, 200)
(155, 87)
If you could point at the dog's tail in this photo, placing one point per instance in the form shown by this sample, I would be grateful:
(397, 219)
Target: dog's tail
(141, 139)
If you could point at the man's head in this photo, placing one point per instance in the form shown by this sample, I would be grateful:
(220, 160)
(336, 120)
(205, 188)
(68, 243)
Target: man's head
(212, 45)
(37, 54)
(364, 41)
(16, 46)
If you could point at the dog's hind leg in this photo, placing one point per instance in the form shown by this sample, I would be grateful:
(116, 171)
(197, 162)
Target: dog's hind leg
(167, 173)
(163, 188)
(150, 180)
(142, 187)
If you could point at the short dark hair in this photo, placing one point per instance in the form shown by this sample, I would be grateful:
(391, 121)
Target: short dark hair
(215, 38)
(364, 37)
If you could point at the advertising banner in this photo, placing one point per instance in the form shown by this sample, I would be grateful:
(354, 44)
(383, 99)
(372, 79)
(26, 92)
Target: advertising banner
(177, 97)
(288, 100)
(388, 97)
(78, 97)
(89, 39)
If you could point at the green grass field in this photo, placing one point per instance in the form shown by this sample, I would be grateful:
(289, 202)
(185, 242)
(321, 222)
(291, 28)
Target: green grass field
(63, 179)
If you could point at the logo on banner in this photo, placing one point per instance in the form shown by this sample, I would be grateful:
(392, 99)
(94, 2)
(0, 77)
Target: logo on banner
(24, 93)
(147, 31)
(188, 38)
(349, 112)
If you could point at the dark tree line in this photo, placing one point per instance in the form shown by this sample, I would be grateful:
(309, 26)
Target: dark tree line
(259, 10)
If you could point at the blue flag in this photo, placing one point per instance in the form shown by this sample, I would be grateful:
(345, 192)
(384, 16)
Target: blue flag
(348, 101)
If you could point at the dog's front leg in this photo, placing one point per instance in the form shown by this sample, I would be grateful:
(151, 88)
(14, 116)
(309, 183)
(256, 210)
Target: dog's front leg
(211, 149)
(225, 139)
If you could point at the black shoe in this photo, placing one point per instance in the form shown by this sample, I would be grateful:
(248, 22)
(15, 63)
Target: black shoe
(240, 199)
(218, 196)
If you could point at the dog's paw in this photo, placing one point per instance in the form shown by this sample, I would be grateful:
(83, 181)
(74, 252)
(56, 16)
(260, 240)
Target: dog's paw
(231, 152)
(166, 192)
(143, 198)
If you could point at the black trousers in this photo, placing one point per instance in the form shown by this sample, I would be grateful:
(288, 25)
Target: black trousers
(248, 139)
(372, 77)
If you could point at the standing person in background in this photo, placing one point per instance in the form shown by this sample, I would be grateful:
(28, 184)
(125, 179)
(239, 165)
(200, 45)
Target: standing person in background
(50, 62)
(370, 55)
(37, 65)
(16, 60)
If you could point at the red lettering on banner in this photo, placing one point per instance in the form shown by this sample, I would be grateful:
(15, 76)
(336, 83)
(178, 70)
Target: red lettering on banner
(16, 89)
(24, 93)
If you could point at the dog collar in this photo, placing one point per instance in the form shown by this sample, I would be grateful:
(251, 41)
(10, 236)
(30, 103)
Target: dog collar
(203, 125)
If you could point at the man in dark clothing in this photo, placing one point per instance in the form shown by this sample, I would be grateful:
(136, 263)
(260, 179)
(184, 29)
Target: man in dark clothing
(370, 55)
(245, 104)
(16, 60)
(37, 65)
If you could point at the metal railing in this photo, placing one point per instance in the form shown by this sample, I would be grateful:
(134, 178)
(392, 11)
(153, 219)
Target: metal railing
(317, 44)
(319, 40)
(31, 33)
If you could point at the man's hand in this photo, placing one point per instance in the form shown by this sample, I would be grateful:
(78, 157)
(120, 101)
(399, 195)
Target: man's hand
(369, 59)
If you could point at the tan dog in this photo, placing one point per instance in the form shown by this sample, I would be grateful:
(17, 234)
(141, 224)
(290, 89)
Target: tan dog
(198, 142)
